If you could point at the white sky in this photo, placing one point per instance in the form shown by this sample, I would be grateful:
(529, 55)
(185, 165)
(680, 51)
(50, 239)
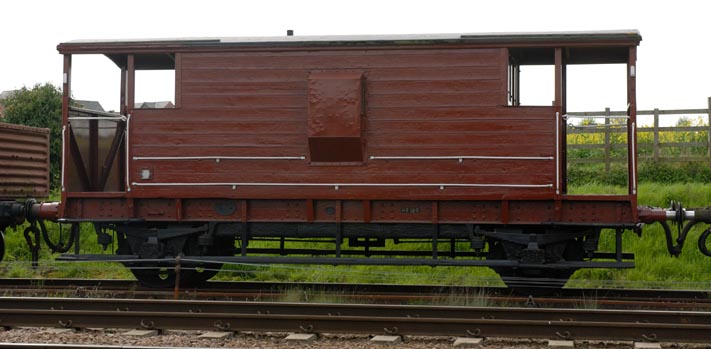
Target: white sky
(672, 70)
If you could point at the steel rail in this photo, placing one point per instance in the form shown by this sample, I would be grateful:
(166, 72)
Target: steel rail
(367, 310)
(360, 324)
(492, 300)
(571, 295)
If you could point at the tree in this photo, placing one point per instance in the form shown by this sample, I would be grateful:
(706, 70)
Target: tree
(40, 106)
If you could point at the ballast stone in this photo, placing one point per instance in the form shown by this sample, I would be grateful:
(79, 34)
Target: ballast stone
(386, 340)
(58, 330)
(141, 333)
(301, 337)
(647, 345)
(560, 344)
(467, 342)
(216, 335)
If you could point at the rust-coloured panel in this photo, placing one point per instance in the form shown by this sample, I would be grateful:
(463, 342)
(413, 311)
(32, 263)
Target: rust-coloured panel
(470, 211)
(335, 104)
(579, 210)
(24, 161)
(97, 208)
(584, 210)
(394, 211)
(335, 126)
(277, 211)
(209, 209)
(355, 211)
(526, 211)
(325, 210)
(157, 209)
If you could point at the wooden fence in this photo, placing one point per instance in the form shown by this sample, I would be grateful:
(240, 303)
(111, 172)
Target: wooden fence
(611, 142)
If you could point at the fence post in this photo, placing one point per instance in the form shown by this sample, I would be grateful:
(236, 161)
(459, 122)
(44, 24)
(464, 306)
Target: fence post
(708, 148)
(607, 140)
(655, 148)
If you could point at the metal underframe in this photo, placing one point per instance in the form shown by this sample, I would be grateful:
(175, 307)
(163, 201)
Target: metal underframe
(347, 261)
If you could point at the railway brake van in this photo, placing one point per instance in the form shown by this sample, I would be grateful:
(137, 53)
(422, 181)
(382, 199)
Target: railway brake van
(377, 150)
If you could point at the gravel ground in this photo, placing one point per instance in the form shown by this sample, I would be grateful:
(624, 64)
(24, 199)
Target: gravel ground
(276, 340)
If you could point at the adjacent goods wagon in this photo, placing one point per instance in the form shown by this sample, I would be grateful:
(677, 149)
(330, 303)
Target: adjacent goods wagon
(24, 159)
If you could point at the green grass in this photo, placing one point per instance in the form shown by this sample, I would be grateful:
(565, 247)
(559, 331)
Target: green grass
(654, 266)
(16, 263)
(648, 172)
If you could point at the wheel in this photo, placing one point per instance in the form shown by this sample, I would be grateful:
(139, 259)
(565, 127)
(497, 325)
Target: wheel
(535, 281)
(154, 274)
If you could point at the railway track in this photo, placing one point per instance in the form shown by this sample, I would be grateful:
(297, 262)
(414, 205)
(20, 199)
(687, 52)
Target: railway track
(687, 326)
(368, 293)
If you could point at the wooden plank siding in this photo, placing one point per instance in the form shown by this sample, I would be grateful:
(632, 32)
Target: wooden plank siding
(419, 102)
(24, 160)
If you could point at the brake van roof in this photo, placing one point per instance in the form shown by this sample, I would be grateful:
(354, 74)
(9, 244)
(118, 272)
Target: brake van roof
(573, 37)
(607, 46)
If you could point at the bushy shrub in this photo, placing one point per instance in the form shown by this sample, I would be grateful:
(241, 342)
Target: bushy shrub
(647, 172)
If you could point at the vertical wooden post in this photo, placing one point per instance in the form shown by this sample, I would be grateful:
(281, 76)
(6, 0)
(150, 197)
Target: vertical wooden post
(66, 97)
(709, 130)
(94, 155)
(121, 161)
(656, 135)
(607, 140)
(503, 75)
(130, 84)
(560, 106)
(122, 101)
(66, 88)
(130, 102)
(632, 121)
(178, 80)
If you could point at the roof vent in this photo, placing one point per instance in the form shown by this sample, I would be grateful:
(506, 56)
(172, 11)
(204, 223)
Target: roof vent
(289, 32)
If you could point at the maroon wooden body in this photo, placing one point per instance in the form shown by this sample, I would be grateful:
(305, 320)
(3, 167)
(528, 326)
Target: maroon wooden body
(391, 130)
